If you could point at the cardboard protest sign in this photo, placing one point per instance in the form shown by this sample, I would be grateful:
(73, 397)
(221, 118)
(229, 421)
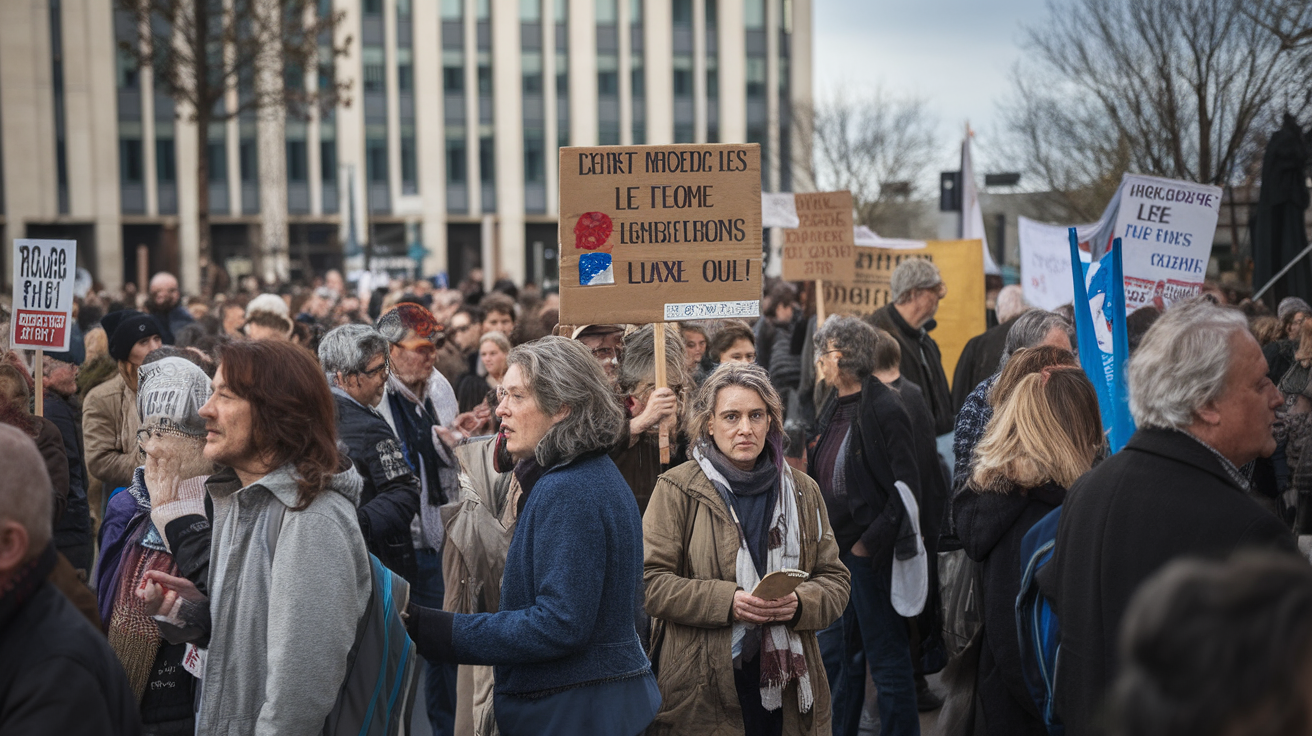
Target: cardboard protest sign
(961, 313)
(43, 271)
(660, 233)
(821, 246)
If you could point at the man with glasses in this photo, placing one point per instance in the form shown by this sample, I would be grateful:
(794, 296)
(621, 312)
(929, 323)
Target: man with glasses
(417, 403)
(606, 343)
(354, 359)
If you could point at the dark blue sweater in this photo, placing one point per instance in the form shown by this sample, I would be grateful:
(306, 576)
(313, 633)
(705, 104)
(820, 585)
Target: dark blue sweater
(571, 591)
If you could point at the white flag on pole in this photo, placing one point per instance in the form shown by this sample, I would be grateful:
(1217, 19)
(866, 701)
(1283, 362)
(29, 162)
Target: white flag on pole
(972, 217)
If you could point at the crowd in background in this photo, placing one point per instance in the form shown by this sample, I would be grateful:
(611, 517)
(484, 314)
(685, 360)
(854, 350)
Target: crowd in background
(564, 578)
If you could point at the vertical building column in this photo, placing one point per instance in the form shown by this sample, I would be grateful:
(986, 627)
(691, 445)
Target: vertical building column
(699, 102)
(508, 127)
(148, 165)
(658, 44)
(551, 124)
(475, 178)
(188, 137)
(27, 112)
(733, 72)
(429, 112)
(582, 73)
(393, 104)
(773, 11)
(271, 146)
(350, 125)
(313, 155)
(624, 36)
(800, 66)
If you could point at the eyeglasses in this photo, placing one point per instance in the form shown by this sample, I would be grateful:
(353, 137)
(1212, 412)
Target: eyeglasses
(606, 353)
(385, 365)
(510, 397)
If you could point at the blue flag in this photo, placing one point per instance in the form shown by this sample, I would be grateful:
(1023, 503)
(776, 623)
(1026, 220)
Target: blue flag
(1104, 345)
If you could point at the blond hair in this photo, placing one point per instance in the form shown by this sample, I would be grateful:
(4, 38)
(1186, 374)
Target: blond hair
(1048, 429)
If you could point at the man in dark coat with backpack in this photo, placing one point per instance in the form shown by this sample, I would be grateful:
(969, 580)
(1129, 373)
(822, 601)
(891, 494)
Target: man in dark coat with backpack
(1204, 408)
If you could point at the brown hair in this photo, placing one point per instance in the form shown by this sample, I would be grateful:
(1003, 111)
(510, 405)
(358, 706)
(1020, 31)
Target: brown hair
(14, 397)
(729, 333)
(1304, 353)
(888, 353)
(1024, 362)
(1266, 329)
(292, 408)
(271, 321)
(1048, 429)
(499, 303)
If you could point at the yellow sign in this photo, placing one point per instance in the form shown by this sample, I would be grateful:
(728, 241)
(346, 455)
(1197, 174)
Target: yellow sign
(961, 313)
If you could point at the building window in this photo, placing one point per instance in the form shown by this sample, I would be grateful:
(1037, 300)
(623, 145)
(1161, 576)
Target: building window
(130, 160)
(457, 158)
(453, 9)
(218, 161)
(298, 167)
(372, 7)
(126, 68)
(487, 159)
(754, 14)
(755, 77)
(534, 156)
(682, 11)
(375, 77)
(532, 69)
(409, 164)
(405, 78)
(375, 156)
(530, 11)
(250, 170)
(607, 12)
(683, 76)
(453, 72)
(484, 74)
(166, 168)
(328, 160)
(608, 75)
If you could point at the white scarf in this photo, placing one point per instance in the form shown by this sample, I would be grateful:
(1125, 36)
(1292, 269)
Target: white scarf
(780, 645)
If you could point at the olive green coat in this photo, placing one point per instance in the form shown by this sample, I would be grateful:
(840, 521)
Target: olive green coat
(691, 549)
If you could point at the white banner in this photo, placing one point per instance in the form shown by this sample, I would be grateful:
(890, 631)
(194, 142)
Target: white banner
(1166, 229)
(779, 210)
(44, 271)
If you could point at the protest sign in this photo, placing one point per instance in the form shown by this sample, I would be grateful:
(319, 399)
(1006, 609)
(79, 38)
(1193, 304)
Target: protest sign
(961, 313)
(1166, 229)
(660, 233)
(778, 209)
(44, 271)
(821, 247)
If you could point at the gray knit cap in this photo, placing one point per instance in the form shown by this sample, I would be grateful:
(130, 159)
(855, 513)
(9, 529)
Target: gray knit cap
(170, 395)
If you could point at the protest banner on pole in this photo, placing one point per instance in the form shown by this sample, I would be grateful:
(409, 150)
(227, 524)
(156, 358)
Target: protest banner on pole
(43, 272)
(1102, 340)
(821, 247)
(1166, 229)
(960, 314)
(660, 233)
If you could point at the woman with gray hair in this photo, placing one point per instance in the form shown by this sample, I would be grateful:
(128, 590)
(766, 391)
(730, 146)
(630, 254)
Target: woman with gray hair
(732, 658)
(638, 454)
(568, 656)
(864, 444)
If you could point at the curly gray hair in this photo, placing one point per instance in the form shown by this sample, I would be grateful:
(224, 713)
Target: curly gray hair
(349, 349)
(560, 373)
(1182, 363)
(854, 338)
(910, 276)
(1031, 329)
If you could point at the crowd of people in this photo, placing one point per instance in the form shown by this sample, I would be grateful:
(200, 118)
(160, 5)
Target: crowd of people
(219, 498)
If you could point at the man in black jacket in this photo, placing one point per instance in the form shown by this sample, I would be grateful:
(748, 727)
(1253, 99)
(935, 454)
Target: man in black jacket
(63, 408)
(1204, 407)
(915, 289)
(59, 674)
(354, 357)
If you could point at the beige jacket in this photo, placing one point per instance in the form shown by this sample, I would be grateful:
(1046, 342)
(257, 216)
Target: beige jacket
(109, 431)
(690, 587)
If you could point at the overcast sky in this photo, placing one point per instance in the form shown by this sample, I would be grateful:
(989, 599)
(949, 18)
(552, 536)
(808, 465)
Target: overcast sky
(957, 55)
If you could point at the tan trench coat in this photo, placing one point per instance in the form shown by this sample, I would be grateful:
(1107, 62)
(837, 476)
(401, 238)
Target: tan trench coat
(109, 431)
(692, 589)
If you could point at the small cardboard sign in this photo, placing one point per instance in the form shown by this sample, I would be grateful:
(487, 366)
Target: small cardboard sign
(960, 315)
(821, 247)
(43, 271)
(654, 233)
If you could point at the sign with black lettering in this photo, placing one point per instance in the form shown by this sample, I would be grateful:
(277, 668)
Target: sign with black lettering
(821, 247)
(660, 233)
(43, 293)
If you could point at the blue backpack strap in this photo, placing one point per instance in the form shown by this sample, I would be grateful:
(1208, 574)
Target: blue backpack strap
(1037, 630)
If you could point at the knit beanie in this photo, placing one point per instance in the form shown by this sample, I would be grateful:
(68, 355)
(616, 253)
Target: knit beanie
(124, 328)
(170, 396)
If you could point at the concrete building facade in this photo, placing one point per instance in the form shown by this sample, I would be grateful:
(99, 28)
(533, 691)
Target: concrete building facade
(443, 158)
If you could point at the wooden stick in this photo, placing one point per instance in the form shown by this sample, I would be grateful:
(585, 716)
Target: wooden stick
(40, 380)
(819, 303)
(662, 381)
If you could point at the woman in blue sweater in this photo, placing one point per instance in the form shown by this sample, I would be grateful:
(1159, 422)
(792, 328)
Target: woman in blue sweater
(564, 644)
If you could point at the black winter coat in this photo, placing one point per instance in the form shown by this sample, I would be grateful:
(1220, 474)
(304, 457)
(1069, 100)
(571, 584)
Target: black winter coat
(1164, 496)
(979, 360)
(882, 452)
(922, 363)
(59, 675)
(991, 526)
(390, 497)
(73, 529)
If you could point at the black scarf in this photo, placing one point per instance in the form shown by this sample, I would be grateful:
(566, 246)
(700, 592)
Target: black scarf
(752, 497)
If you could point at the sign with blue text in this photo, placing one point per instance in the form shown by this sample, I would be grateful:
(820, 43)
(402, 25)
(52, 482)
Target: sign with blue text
(657, 233)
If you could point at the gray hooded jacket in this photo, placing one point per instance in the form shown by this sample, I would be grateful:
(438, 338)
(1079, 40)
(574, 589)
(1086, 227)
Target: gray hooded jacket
(282, 627)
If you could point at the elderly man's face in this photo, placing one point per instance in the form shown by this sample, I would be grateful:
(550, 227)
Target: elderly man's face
(929, 298)
(164, 293)
(1247, 406)
(606, 350)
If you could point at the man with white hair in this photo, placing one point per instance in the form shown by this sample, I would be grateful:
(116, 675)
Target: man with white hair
(59, 674)
(1204, 407)
(915, 289)
(165, 305)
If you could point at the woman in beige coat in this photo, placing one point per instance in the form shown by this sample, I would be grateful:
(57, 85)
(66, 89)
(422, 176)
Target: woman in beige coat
(109, 414)
(728, 662)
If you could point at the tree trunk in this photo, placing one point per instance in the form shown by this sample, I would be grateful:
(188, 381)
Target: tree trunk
(203, 111)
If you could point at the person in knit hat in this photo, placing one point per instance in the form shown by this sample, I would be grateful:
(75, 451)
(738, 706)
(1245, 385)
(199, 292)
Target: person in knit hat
(169, 484)
(109, 414)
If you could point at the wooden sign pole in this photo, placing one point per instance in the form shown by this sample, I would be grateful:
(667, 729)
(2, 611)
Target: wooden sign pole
(662, 381)
(40, 381)
(819, 304)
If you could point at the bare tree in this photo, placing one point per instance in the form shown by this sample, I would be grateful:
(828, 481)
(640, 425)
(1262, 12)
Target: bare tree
(879, 147)
(218, 59)
(1175, 88)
